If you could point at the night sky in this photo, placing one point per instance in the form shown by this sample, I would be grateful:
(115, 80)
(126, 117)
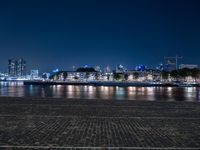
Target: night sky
(64, 33)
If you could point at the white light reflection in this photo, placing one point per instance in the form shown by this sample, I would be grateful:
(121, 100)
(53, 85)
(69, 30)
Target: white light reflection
(169, 91)
(190, 93)
(106, 92)
(70, 91)
(70, 88)
(91, 93)
(131, 91)
(120, 92)
(102, 92)
(150, 91)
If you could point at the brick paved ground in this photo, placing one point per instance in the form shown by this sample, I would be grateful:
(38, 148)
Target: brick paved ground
(35, 123)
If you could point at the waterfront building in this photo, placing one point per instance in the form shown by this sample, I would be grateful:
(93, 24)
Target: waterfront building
(143, 76)
(12, 69)
(21, 67)
(17, 67)
(79, 75)
(106, 77)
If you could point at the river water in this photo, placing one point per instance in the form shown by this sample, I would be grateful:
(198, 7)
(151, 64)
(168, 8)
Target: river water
(17, 89)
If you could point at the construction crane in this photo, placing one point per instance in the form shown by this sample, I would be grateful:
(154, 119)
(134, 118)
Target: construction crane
(176, 59)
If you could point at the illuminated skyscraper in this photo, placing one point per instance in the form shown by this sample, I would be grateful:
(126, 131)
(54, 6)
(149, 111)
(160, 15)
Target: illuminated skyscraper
(21, 67)
(12, 71)
(17, 67)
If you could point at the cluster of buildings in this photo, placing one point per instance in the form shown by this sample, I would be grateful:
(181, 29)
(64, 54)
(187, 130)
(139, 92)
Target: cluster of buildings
(17, 70)
(17, 67)
(119, 74)
(171, 63)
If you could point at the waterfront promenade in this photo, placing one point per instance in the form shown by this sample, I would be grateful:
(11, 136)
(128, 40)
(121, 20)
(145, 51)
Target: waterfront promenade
(38, 123)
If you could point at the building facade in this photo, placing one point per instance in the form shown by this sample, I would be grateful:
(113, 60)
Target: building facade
(12, 71)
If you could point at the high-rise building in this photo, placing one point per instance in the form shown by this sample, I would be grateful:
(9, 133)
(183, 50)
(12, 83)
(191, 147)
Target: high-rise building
(17, 67)
(12, 71)
(21, 67)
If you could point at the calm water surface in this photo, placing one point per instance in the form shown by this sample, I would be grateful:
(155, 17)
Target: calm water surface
(17, 89)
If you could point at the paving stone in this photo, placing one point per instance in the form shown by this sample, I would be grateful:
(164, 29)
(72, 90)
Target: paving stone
(93, 124)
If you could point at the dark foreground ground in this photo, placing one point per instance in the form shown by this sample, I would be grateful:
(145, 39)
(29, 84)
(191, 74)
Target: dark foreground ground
(33, 123)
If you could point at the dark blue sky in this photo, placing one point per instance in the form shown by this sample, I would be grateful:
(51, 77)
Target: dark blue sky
(63, 33)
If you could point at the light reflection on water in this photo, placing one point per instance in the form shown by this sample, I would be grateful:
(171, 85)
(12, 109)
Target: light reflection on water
(17, 89)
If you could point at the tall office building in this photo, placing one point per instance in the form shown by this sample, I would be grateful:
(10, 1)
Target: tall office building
(17, 67)
(12, 71)
(21, 67)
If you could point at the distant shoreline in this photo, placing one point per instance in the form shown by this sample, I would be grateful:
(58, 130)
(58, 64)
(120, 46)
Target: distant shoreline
(110, 83)
(105, 83)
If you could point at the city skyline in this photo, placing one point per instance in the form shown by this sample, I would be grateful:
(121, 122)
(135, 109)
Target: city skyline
(168, 64)
(61, 34)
